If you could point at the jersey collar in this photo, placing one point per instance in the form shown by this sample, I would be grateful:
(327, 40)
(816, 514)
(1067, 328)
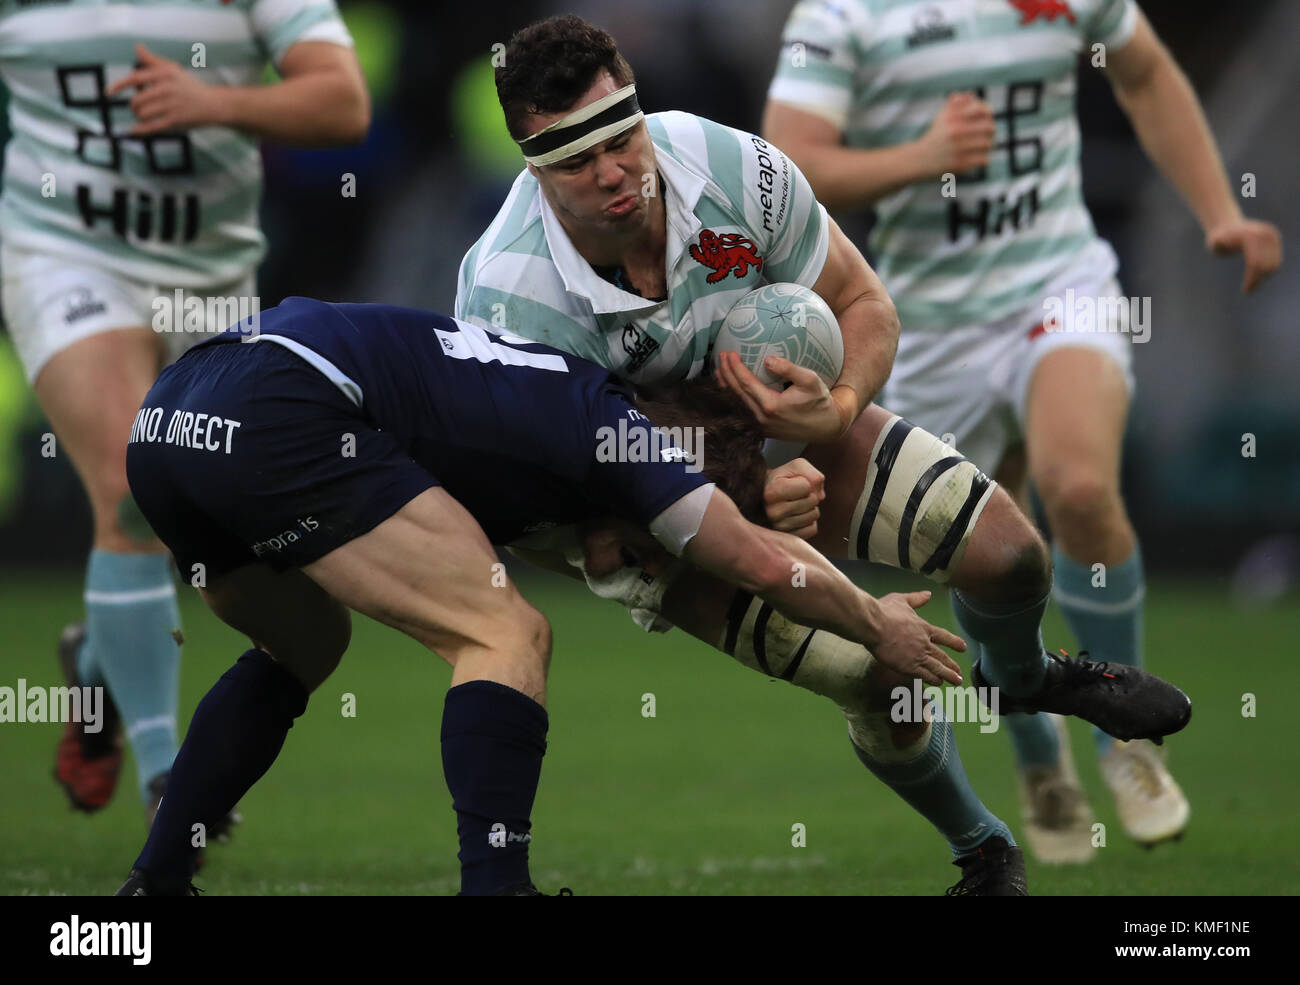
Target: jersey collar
(682, 190)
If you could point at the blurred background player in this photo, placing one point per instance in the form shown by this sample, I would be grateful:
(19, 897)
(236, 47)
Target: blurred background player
(130, 227)
(957, 122)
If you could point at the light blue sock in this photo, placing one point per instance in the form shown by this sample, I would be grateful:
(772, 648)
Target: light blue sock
(1104, 611)
(1011, 643)
(935, 785)
(131, 614)
(1033, 738)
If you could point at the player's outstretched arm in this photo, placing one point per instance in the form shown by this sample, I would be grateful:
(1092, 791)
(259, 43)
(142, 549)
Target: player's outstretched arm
(803, 586)
(321, 100)
(1171, 126)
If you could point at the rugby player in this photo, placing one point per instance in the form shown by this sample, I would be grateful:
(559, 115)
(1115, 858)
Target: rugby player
(962, 132)
(129, 225)
(626, 240)
(367, 457)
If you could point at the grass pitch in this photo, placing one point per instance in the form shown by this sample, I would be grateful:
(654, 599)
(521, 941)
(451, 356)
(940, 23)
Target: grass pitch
(700, 799)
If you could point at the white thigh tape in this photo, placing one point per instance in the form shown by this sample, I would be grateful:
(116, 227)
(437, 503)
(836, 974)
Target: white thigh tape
(764, 640)
(919, 504)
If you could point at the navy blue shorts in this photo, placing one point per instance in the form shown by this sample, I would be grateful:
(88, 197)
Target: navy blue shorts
(243, 453)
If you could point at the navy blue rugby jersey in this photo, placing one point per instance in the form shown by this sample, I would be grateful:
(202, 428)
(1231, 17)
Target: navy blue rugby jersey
(509, 427)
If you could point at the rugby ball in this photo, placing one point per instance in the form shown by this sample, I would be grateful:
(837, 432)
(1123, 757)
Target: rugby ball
(783, 320)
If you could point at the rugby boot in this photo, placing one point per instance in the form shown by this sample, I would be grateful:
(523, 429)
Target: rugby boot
(1124, 702)
(87, 764)
(993, 869)
(528, 889)
(1151, 806)
(1057, 816)
(140, 883)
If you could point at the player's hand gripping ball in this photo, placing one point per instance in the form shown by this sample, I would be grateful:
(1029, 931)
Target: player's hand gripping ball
(784, 320)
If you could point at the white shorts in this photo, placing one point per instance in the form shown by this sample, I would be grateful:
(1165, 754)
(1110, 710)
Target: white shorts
(969, 385)
(50, 302)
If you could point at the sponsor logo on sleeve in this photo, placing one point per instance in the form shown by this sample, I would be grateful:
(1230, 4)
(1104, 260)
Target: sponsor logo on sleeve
(767, 197)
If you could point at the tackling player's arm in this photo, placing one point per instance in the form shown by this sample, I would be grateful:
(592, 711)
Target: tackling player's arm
(958, 140)
(321, 100)
(1171, 126)
(764, 562)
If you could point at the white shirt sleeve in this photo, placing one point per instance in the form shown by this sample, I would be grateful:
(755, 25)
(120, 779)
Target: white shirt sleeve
(675, 526)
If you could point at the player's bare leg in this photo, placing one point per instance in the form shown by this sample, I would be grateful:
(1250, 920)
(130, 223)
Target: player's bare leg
(919, 505)
(1076, 410)
(429, 571)
(298, 634)
(912, 753)
(91, 391)
(1056, 816)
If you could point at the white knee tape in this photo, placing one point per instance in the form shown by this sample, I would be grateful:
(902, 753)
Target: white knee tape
(919, 504)
(873, 733)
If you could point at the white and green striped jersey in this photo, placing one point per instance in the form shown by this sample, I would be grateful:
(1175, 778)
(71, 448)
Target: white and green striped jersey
(177, 209)
(739, 215)
(880, 70)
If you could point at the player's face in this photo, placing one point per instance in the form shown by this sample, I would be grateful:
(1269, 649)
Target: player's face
(608, 188)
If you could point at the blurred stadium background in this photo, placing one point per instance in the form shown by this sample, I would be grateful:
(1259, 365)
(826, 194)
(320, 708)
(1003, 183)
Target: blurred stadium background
(702, 798)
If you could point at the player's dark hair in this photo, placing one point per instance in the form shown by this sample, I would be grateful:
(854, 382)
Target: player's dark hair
(732, 440)
(550, 64)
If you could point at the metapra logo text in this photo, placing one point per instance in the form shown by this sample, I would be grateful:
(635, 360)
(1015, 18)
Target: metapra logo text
(75, 939)
(53, 704)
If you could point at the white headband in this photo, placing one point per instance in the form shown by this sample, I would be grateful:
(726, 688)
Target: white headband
(584, 128)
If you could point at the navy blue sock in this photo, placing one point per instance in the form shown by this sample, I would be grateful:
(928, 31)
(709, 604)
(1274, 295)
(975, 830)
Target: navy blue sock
(235, 734)
(493, 740)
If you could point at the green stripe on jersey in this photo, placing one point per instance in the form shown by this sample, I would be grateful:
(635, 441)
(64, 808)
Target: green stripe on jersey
(58, 61)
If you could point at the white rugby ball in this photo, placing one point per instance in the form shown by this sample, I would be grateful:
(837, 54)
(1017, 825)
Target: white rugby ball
(783, 320)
